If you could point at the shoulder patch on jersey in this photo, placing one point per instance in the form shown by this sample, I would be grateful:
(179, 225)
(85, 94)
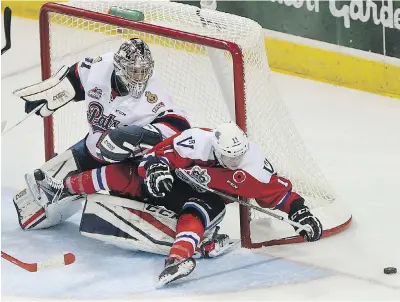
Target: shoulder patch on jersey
(157, 107)
(151, 97)
(268, 167)
(95, 93)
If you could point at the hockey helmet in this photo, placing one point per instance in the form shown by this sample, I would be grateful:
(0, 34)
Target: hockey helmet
(230, 144)
(134, 65)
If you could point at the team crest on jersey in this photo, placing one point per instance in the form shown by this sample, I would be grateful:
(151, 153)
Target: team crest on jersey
(95, 93)
(97, 120)
(151, 97)
(200, 175)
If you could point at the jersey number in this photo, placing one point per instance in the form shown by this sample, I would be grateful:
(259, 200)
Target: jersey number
(268, 166)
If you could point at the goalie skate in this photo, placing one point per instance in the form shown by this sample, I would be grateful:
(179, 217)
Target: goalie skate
(175, 269)
(53, 189)
(44, 203)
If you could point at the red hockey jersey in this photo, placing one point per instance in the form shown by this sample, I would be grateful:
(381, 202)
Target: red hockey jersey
(255, 177)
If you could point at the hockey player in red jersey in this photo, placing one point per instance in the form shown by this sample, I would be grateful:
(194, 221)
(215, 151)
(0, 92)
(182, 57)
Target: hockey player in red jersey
(222, 159)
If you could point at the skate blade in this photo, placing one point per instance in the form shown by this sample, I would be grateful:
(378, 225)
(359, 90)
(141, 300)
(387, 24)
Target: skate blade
(184, 269)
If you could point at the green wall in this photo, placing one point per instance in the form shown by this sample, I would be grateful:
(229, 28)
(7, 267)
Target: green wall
(315, 20)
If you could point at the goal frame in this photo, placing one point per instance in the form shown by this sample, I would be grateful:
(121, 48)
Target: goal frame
(233, 48)
(238, 87)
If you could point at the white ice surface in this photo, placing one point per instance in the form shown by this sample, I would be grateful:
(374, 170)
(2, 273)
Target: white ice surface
(354, 137)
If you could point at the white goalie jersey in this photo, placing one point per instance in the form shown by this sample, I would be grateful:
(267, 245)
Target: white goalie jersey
(107, 109)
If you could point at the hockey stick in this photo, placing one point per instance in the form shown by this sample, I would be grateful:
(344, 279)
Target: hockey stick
(7, 29)
(3, 124)
(189, 179)
(62, 260)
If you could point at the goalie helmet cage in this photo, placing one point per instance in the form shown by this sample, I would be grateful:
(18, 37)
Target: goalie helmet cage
(214, 66)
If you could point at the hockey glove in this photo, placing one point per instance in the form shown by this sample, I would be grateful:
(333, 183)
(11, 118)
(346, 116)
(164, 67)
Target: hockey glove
(109, 151)
(54, 92)
(30, 106)
(159, 179)
(123, 142)
(301, 214)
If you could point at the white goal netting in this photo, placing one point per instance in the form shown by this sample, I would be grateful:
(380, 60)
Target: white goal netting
(200, 79)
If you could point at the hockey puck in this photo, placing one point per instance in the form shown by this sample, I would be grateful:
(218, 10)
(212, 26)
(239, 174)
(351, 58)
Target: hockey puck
(390, 270)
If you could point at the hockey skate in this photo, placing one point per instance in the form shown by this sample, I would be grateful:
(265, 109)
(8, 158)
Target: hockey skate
(52, 188)
(45, 202)
(175, 269)
(215, 245)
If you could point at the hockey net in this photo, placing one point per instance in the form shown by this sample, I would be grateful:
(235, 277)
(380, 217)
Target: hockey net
(214, 65)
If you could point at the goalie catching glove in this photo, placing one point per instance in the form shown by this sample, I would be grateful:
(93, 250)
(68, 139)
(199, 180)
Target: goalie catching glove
(301, 214)
(159, 179)
(54, 93)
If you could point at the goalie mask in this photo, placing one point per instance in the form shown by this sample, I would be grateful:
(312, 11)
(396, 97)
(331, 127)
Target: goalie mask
(134, 65)
(230, 144)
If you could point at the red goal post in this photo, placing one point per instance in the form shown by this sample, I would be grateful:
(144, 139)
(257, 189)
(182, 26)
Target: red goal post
(233, 48)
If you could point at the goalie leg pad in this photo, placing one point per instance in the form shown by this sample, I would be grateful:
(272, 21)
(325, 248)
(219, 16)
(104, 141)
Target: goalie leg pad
(74, 160)
(60, 165)
(34, 212)
(128, 223)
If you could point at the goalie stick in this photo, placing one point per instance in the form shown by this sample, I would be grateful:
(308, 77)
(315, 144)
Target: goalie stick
(61, 260)
(189, 179)
(3, 123)
(7, 29)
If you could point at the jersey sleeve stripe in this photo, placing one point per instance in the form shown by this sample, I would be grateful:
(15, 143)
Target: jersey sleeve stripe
(104, 179)
(281, 203)
(95, 181)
